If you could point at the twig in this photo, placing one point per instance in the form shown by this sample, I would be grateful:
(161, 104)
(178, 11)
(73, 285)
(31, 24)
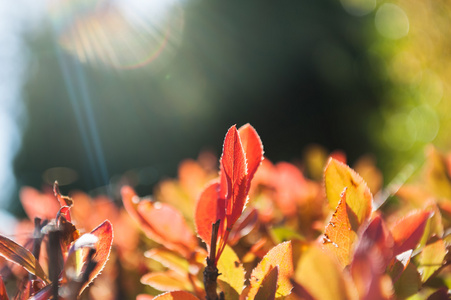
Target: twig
(211, 271)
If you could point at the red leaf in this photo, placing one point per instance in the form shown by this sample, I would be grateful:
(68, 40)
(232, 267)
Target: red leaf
(21, 256)
(37, 204)
(408, 231)
(234, 173)
(253, 148)
(3, 294)
(160, 222)
(209, 209)
(370, 260)
(104, 233)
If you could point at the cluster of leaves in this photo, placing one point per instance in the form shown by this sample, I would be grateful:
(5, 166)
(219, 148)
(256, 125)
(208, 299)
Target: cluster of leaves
(265, 231)
(72, 260)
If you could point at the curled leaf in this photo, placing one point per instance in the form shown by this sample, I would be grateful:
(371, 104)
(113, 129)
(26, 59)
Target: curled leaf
(19, 255)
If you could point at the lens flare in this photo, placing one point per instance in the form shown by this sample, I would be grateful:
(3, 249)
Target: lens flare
(119, 34)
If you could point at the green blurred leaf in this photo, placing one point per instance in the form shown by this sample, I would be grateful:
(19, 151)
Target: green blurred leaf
(431, 258)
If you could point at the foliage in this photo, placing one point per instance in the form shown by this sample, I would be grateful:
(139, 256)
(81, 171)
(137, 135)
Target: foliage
(264, 231)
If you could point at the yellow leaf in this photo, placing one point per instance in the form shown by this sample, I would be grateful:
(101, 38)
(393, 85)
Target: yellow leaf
(320, 275)
(337, 177)
(280, 256)
(231, 280)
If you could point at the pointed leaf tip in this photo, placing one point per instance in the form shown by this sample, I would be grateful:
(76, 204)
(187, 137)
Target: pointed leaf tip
(339, 238)
(337, 176)
(408, 231)
(253, 148)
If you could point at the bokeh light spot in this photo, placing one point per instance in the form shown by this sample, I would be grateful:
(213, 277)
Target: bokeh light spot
(398, 133)
(391, 21)
(425, 123)
(358, 7)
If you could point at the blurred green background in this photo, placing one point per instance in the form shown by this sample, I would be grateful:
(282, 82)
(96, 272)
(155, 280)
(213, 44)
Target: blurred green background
(108, 88)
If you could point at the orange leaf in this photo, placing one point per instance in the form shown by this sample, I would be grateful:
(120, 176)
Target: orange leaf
(21, 256)
(337, 176)
(178, 295)
(160, 222)
(169, 224)
(167, 281)
(408, 231)
(209, 209)
(281, 256)
(104, 233)
(234, 173)
(339, 237)
(253, 148)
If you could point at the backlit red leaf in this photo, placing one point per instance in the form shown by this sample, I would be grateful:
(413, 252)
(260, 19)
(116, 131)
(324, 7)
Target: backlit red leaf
(178, 295)
(3, 294)
(371, 257)
(281, 256)
(253, 148)
(408, 231)
(339, 237)
(104, 233)
(21, 256)
(234, 173)
(209, 209)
